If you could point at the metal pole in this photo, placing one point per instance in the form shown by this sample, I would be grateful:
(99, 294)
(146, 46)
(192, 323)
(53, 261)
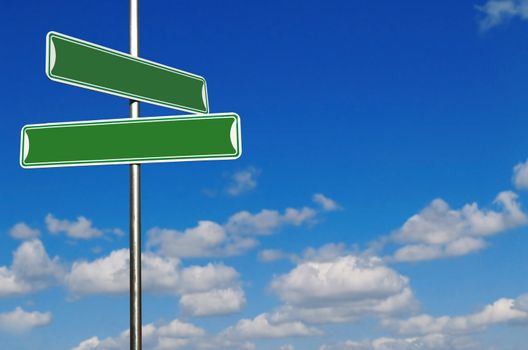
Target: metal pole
(135, 207)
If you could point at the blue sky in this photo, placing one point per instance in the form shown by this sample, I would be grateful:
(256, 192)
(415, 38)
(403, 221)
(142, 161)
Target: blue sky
(379, 203)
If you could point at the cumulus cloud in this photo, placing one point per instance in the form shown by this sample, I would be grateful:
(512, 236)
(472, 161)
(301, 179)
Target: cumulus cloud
(234, 237)
(331, 289)
(205, 240)
(439, 231)
(270, 255)
(314, 283)
(263, 326)
(326, 203)
(521, 303)
(327, 252)
(89, 344)
(205, 278)
(202, 240)
(349, 311)
(520, 175)
(211, 289)
(78, 229)
(32, 265)
(10, 284)
(267, 221)
(31, 270)
(428, 342)
(164, 336)
(503, 310)
(445, 332)
(213, 302)
(22, 231)
(496, 12)
(177, 328)
(19, 320)
(173, 335)
(243, 181)
(110, 274)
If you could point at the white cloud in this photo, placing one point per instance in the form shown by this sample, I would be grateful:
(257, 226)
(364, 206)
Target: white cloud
(270, 255)
(88, 344)
(521, 303)
(439, 231)
(520, 175)
(287, 347)
(202, 240)
(23, 232)
(172, 335)
(31, 270)
(263, 326)
(177, 328)
(428, 342)
(243, 181)
(10, 284)
(331, 289)
(501, 311)
(79, 229)
(262, 223)
(32, 264)
(496, 12)
(208, 277)
(327, 252)
(205, 240)
(326, 203)
(110, 275)
(298, 217)
(20, 321)
(343, 279)
(348, 311)
(236, 236)
(267, 221)
(116, 231)
(213, 302)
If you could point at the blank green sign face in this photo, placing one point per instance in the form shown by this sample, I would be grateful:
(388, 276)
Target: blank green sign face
(125, 141)
(80, 63)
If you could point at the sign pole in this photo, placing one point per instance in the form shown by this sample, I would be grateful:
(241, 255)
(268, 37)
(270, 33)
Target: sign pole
(135, 209)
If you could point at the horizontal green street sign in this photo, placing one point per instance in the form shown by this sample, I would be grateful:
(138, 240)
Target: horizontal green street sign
(80, 63)
(125, 141)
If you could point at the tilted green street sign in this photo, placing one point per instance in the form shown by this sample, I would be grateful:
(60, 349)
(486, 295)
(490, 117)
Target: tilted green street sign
(124, 141)
(80, 63)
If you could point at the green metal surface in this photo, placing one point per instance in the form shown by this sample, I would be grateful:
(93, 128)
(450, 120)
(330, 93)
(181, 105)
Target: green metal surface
(118, 141)
(80, 63)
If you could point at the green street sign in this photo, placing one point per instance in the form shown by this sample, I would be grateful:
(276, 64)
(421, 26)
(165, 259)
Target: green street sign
(125, 141)
(80, 63)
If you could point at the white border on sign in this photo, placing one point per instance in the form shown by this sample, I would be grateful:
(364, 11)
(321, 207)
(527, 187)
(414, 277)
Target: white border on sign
(50, 50)
(24, 147)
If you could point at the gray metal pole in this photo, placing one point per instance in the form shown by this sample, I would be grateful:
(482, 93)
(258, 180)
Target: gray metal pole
(135, 207)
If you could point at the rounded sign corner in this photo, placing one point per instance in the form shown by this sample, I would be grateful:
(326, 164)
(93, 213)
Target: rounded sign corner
(22, 165)
(51, 55)
(50, 34)
(24, 146)
(205, 98)
(239, 153)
